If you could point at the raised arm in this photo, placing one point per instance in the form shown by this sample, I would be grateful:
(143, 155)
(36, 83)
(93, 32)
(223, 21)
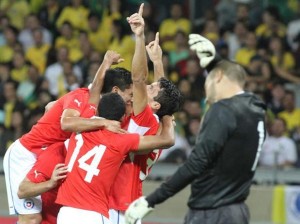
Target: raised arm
(155, 54)
(139, 69)
(110, 58)
(71, 120)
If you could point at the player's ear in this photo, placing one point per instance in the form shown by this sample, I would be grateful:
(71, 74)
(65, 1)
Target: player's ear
(115, 89)
(219, 76)
(155, 105)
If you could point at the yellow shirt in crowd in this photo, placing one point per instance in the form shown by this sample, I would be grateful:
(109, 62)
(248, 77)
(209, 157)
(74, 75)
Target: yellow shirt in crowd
(288, 61)
(244, 55)
(16, 11)
(169, 27)
(73, 45)
(6, 54)
(78, 17)
(38, 56)
(20, 74)
(124, 47)
(292, 119)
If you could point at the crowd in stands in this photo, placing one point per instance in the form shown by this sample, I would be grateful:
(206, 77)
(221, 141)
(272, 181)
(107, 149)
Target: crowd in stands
(50, 47)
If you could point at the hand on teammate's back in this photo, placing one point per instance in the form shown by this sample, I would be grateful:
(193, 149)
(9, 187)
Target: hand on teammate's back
(59, 173)
(114, 126)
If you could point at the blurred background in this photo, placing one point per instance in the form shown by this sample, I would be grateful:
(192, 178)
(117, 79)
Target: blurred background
(50, 47)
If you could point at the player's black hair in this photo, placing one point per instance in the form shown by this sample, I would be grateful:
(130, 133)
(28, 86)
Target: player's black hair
(119, 77)
(169, 97)
(111, 106)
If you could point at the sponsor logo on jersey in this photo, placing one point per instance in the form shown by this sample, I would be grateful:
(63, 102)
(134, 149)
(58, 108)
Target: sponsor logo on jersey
(28, 204)
(92, 107)
(36, 173)
(77, 102)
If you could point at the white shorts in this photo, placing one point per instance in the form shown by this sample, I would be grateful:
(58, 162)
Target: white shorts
(72, 215)
(117, 217)
(17, 162)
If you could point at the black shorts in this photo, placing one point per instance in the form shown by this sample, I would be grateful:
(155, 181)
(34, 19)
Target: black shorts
(230, 214)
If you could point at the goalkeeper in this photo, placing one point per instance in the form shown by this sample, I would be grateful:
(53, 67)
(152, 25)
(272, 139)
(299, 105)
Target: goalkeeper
(222, 164)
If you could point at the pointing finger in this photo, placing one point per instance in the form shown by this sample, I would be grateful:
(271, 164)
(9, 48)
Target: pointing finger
(141, 9)
(157, 38)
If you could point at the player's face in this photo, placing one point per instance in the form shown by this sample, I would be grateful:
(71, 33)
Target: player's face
(210, 90)
(152, 91)
(127, 96)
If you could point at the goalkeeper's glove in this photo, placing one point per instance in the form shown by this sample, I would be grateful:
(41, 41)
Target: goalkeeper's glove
(137, 210)
(204, 48)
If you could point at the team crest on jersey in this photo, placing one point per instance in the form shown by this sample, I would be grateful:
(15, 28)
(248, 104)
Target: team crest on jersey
(28, 204)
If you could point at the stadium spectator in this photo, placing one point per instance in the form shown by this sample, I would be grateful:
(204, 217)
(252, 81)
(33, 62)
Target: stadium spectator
(69, 39)
(48, 15)
(7, 50)
(95, 34)
(258, 74)
(76, 14)
(16, 10)
(122, 42)
(277, 92)
(278, 150)
(38, 52)
(28, 89)
(169, 27)
(55, 70)
(291, 113)
(181, 52)
(279, 56)
(236, 39)
(271, 25)
(244, 54)
(26, 36)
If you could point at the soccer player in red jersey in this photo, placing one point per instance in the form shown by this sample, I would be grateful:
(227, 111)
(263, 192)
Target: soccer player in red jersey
(150, 102)
(67, 114)
(44, 178)
(93, 160)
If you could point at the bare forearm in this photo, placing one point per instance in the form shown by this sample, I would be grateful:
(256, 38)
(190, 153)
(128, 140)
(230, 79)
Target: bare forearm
(166, 139)
(139, 61)
(158, 70)
(98, 81)
(29, 189)
(79, 124)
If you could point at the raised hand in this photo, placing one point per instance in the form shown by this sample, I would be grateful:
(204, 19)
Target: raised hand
(154, 50)
(204, 48)
(113, 57)
(136, 21)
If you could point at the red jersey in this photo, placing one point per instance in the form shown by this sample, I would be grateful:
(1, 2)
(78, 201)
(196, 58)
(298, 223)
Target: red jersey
(128, 183)
(48, 129)
(93, 160)
(41, 172)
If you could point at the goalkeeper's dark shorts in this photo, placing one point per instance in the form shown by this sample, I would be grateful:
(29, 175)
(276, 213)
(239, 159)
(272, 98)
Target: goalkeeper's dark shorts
(230, 214)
